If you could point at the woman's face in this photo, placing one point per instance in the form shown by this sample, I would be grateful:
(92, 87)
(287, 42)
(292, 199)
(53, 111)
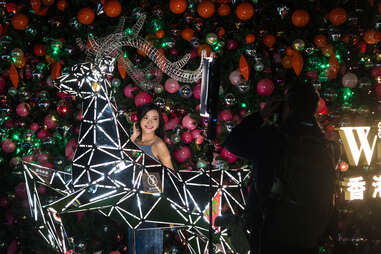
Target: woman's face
(150, 121)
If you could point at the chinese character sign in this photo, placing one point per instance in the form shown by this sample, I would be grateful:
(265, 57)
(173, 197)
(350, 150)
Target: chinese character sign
(356, 188)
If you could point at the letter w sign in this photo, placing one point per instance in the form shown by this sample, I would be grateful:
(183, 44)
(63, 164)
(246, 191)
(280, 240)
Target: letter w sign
(356, 142)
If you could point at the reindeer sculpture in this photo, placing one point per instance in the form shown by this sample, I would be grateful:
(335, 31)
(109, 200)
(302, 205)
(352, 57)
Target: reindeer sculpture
(112, 175)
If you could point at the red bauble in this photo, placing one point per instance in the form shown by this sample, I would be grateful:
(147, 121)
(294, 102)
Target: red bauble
(182, 154)
(112, 8)
(8, 146)
(39, 50)
(62, 109)
(20, 21)
(61, 5)
(86, 16)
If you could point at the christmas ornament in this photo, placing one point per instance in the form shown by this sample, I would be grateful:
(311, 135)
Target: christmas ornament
(265, 87)
(223, 10)
(23, 109)
(61, 5)
(297, 63)
(225, 153)
(142, 98)
(197, 91)
(320, 40)
(112, 8)
(298, 44)
(259, 66)
(230, 99)
(206, 9)
(300, 18)
(86, 16)
(349, 80)
(244, 67)
(337, 16)
(182, 154)
(185, 91)
(187, 34)
(244, 11)
(372, 36)
(211, 38)
(269, 40)
(8, 146)
(171, 85)
(39, 50)
(20, 21)
(178, 6)
(189, 122)
(226, 115)
(250, 38)
(186, 137)
(235, 77)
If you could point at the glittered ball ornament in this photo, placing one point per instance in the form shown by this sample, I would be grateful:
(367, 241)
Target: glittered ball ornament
(349, 80)
(171, 85)
(112, 8)
(178, 6)
(182, 154)
(265, 87)
(300, 18)
(298, 44)
(8, 146)
(86, 16)
(185, 91)
(226, 115)
(206, 9)
(22, 109)
(142, 98)
(50, 121)
(186, 137)
(211, 38)
(19, 21)
(244, 11)
(128, 91)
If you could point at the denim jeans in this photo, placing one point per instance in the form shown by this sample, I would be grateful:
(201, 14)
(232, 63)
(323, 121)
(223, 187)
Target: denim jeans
(147, 241)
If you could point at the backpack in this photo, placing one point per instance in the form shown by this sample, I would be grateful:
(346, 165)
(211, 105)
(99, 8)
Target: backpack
(303, 192)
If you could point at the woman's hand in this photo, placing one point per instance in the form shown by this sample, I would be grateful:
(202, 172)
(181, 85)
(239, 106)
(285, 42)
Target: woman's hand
(135, 133)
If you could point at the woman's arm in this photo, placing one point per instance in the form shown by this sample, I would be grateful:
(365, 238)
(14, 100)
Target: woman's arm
(162, 153)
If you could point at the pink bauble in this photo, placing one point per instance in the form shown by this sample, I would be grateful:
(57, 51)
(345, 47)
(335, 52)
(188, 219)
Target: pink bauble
(50, 121)
(186, 137)
(20, 190)
(226, 115)
(172, 123)
(171, 86)
(2, 84)
(232, 45)
(228, 155)
(47, 164)
(220, 128)
(262, 105)
(376, 71)
(243, 112)
(199, 139)
(142, 98)
(165, 117)
(42, 157)
(235, 78)
(189, 122)
(128, 91)
(197, 91)
(265, 87)
(4, 202)
(322, 108)
(42, 134)
(8, 146)
(182, 154)
(28, 158)
(34, 126)
(9, 123)
(237, 119)
(312, 74)
(70, 148)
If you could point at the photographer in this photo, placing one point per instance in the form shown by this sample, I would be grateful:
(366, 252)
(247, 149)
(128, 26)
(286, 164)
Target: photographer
(291, 198)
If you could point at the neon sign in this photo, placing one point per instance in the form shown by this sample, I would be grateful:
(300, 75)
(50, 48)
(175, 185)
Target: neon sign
(356, 187)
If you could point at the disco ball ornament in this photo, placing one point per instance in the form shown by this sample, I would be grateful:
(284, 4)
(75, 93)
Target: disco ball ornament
(185, 91)
(115, 82)
(159, 102)
(244, 87)
(158, 89)
(259, 66)
(298, 44)
(175, 138)
(230, 99)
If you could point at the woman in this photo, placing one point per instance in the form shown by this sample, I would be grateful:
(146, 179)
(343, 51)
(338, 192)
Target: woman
(148, 134)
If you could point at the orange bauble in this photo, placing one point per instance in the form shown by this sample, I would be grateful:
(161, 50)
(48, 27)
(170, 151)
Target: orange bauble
(220, 31)
(245, 11)
(205, 47)
(86, 16)
(300, 18)
(61, 5)
(20, 21)
(223, 10)
(372, 36)
(178, 6)
(286, 62)
(206, 9)
(39, 50)
(187, 34)
(160, 33)
(35, 4)
(112, 8)
(250, 38)
(337, 16)
(48, 2)
(269, 40)
(320, 40)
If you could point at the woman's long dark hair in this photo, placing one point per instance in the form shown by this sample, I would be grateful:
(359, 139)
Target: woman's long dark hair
(142, 111)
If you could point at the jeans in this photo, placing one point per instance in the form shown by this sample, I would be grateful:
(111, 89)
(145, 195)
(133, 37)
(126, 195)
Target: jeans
(147, 241)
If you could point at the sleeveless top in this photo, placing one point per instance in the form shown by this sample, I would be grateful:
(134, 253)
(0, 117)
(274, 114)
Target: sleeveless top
(147, 149)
